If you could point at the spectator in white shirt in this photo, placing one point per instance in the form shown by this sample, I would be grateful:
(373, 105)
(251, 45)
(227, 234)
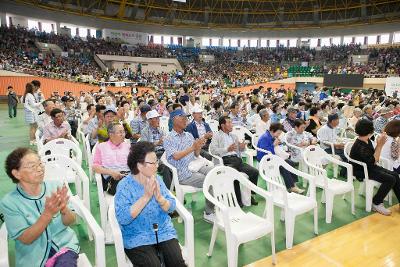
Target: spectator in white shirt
(45, 118)
(391, 149)
(328, 133)
(263, 123)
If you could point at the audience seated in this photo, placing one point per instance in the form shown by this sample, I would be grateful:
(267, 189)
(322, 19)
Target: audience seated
(328, 133)
(139, 123)
(93, 124)
(363, 150)
(58, 128)
(141, 202)
(200, 129)
(391, 148)
(300, 138)
(110, 157)
(384, 115)
(226, 145)
(270, 142)
(37, 214)
(44, 117)
(181, 149)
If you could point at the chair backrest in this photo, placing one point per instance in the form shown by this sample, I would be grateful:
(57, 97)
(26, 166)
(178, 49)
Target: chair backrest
(315, 156)
(64, 169)
(220, 180)
(241, 132)
(4, 262)
(347, 149)
(254, 140)
(95, 230)
(175, 180)
(164, 124)
(63, 147)
(213, 125)
(269, 171)
(122, 259)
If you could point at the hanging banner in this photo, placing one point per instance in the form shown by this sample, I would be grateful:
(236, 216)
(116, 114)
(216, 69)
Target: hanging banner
(392, 85)
(129, 37)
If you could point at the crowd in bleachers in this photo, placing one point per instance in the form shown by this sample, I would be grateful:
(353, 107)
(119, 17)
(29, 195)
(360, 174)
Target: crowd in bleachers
(231, 68)
(155, 142)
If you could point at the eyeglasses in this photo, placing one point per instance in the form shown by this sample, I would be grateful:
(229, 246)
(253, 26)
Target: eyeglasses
(33, 166)
(153, 163)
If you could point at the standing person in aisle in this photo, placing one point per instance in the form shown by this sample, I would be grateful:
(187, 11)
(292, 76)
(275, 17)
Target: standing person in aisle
(12, 101)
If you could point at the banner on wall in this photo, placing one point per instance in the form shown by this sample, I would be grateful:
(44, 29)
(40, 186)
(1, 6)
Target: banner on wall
(392, 85)
(129, 37)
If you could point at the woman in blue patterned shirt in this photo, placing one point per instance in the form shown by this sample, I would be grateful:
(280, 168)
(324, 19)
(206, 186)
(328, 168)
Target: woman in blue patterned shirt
(142, 200)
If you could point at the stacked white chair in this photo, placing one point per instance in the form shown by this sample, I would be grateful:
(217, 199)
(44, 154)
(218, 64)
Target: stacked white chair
(89, 156)
(187, 249)
(239, 227)
(87, 217)
(63, 147)
(292, 204)
(316, 158)
(64, 169)
(368, 184)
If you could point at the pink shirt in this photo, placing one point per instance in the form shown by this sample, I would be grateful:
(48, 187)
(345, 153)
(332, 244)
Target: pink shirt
(113, 157)
(52, 131)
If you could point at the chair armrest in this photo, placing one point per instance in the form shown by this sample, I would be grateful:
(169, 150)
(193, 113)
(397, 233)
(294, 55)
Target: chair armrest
(364, 165)
(217, 158)
(343, 164)
(189, 230)
(98, 233)
(174, 172)
(310, 178)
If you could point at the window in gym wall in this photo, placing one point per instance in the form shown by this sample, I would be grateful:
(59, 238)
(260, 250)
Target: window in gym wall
(384, 38)
(272, 43)
(205, 41)
(325, 42)
(263, 43)
(244, 42)
(292, 42)
(396, 37)
(359, 40)
(253, 42)
(225, 42)
(157, 39)
(372, 39)
(215, 41)
(335, 40)
(347, 40)
(33, 24)
(234, 42)
(313, 42)
(283, 42)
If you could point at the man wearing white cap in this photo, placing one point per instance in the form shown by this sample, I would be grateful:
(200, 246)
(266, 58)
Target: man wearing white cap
(199, 128)
(152, 133)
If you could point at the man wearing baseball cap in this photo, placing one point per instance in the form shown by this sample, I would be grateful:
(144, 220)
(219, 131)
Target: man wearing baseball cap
(385, 114)
(288, 123)
(199, 128)
(181, 149)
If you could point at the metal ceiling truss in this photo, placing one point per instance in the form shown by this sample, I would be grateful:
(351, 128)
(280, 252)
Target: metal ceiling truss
(259, 14)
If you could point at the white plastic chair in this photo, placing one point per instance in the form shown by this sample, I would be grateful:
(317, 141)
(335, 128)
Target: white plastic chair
(239, 227)
(81, 138)
(164, 124)
(4, 246)
(213, 125)
(332, 146)
(91, 223)
(292, 204)
(241, 133)
(89, 157)
(181, 190)
(368, 184)
(187, 249)
(39, 139)
(64, 169)
(63, 147)
(316, 158)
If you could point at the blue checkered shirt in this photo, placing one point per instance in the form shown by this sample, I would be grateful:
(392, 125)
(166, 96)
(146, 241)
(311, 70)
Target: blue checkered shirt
(174, 143)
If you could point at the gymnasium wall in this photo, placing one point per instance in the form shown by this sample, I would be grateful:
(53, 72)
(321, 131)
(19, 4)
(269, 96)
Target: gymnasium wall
(50, 85)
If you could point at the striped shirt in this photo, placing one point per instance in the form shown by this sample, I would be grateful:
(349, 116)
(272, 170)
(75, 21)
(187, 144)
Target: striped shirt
(152, 135)
(176, 142)
(92, 125)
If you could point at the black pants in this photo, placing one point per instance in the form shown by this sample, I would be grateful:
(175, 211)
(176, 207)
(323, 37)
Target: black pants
(146, 256)
(165, 172)
(204, 153)
(237, 163)
(388, 179)
(74, 127)
(10, 111)
(288, 177)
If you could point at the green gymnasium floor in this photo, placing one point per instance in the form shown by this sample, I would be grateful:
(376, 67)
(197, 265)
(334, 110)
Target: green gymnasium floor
(14, 133)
